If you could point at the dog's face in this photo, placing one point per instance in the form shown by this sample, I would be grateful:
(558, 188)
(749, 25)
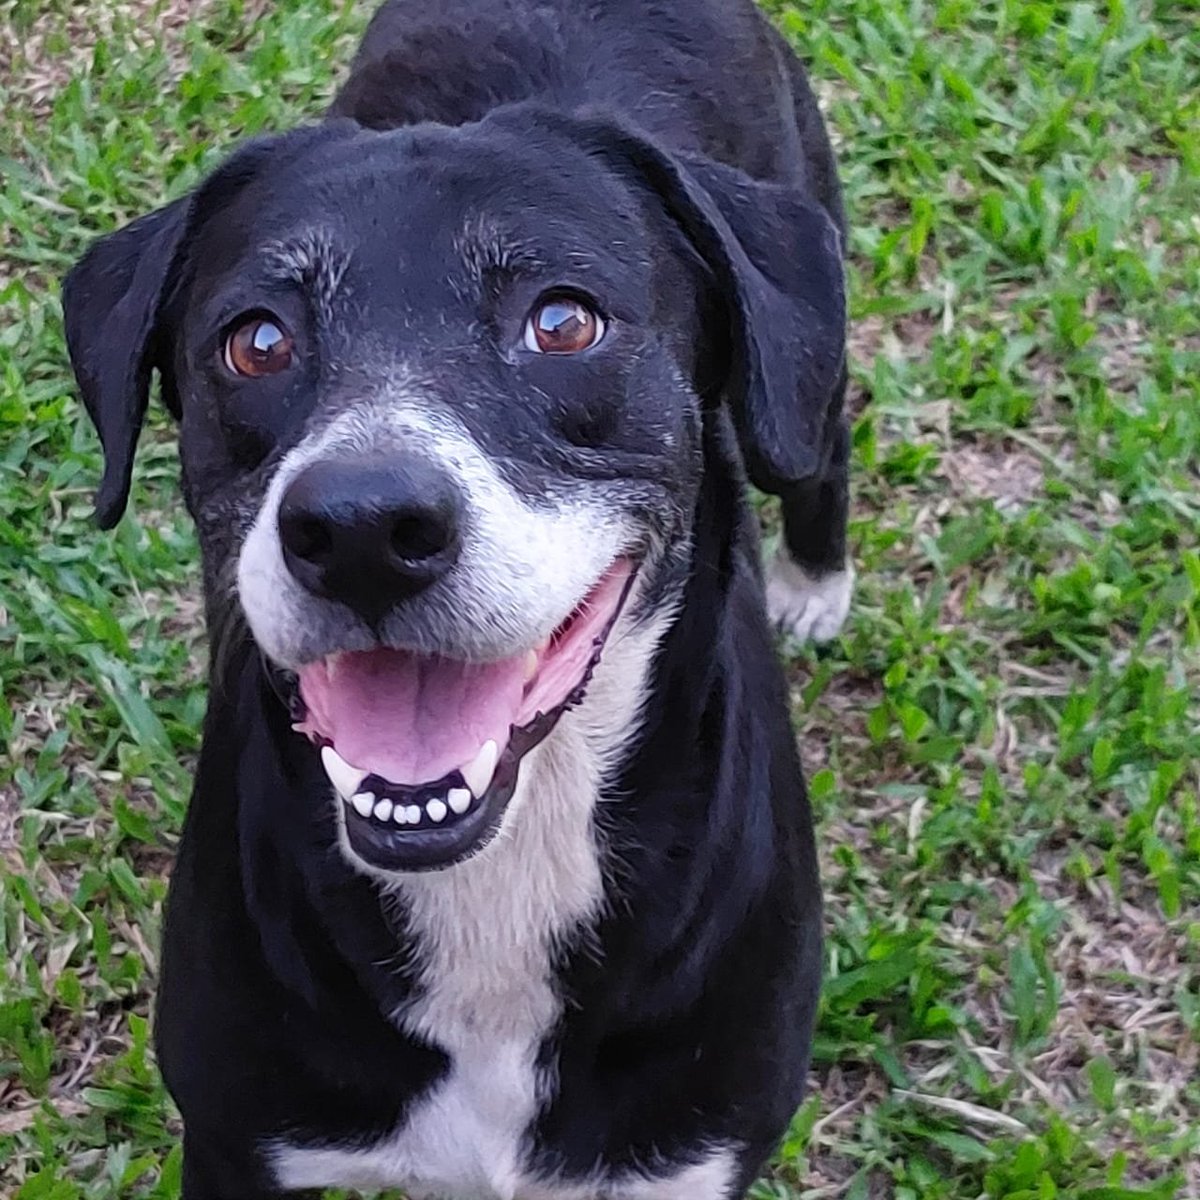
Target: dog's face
(442, 395)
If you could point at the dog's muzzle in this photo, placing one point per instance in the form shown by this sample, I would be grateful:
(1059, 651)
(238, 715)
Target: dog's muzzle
(423, 750)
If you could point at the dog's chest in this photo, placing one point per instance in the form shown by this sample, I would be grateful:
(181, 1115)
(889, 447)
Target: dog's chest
(490, 1001)
(485, 935)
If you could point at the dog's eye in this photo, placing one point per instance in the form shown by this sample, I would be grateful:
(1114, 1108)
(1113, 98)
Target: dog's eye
(258, 347)
(562, 325)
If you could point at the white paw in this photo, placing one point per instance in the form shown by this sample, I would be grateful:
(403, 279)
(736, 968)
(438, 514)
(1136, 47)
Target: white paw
(809, 607)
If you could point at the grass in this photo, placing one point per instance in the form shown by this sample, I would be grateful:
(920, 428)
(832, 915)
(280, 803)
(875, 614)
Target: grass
(1004, 747)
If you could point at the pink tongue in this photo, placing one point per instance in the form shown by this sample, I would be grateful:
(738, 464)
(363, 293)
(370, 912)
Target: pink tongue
(411, 718)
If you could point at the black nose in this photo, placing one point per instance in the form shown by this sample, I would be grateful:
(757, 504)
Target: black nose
(370, 532)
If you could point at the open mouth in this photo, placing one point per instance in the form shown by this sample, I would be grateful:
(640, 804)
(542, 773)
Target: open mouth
(424, 751)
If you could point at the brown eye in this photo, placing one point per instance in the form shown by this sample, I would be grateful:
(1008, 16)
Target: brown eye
(258, 347)
(562, 326)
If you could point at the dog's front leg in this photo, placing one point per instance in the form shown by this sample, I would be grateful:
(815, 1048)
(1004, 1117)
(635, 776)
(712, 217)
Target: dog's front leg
(810, 580)
(212, 1174)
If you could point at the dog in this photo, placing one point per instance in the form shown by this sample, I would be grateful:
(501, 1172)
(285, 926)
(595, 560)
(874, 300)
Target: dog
(498, 879)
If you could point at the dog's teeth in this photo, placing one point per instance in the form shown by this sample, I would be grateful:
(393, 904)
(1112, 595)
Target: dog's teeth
(363, 803)
(459, 800)
(478, 774)
(342, 775)
(383, 810)
(400, 815)
(543, 645)
(413, 813)
(436, 810)
(531, 665)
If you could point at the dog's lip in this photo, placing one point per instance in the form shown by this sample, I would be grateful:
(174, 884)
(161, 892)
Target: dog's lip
(412, 827)
(434, 846)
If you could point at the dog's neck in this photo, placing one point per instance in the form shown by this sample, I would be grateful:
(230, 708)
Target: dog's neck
(484, 937)
(486, 928)
(537, 885)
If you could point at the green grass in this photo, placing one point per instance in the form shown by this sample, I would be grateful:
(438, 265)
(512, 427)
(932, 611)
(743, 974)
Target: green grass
(1004, 747)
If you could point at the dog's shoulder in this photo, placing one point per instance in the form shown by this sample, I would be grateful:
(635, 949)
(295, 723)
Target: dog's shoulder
(452, 64)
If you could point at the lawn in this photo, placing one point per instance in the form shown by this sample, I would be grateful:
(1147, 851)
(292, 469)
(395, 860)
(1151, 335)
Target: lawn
(1004, 747)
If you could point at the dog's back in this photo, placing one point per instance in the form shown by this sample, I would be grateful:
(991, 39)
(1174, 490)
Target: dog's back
(706, 76)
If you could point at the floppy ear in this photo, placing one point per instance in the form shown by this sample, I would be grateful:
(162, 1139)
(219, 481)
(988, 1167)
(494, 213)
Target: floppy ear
(111, 301)
(779, 260)
(776, 255)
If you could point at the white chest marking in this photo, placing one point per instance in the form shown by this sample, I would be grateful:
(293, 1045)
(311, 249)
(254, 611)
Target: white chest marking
(486, 932)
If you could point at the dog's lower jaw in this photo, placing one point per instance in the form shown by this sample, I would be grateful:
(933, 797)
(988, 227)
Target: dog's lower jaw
(808, 606)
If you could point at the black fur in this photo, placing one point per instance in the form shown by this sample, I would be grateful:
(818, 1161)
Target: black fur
(692, 172)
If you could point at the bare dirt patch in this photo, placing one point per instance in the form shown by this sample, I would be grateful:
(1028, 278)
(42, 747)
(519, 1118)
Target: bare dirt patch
(1009, 477)
(37, 60)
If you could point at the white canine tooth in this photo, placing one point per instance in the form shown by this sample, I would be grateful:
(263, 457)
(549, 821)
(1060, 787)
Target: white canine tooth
(531, 665)
(543, 645)
(383, 810)
(342, 775)
(459, 800)
(363, 803)
(413, 813)
(436, 810)
(478, 773)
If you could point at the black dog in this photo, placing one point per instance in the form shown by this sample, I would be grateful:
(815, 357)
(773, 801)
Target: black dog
(466, 378)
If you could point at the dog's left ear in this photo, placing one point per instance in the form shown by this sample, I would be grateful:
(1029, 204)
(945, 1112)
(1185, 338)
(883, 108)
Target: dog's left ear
(776, 256)
(114, 299)
(110, 302)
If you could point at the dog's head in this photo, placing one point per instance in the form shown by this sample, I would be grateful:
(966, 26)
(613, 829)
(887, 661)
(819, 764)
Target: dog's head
(442, 394)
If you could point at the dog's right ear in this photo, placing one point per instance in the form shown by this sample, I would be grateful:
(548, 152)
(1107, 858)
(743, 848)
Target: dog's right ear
(111, 301)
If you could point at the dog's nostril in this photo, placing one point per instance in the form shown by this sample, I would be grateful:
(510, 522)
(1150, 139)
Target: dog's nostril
(310, 539)
(416, 537)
